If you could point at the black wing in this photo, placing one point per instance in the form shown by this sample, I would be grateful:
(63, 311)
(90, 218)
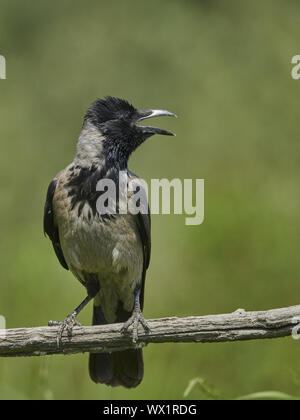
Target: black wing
(144, 223)
(144, 227)
(50, 228)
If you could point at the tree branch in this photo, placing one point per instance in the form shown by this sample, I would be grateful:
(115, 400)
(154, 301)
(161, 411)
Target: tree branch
(239, 325)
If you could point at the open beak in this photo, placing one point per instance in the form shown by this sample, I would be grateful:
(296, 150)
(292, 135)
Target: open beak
(144, 114)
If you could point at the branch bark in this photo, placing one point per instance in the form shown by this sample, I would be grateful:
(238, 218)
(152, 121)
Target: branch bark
(237, 326)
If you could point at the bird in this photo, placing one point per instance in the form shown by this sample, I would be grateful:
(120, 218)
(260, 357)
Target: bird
(108, 253)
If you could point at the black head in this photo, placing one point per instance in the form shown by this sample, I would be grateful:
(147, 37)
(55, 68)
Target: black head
(117, 120)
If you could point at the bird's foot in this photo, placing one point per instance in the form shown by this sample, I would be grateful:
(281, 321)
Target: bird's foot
(135, 319)
(68, 324)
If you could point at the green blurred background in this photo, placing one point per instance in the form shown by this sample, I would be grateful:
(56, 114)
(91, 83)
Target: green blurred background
(224, 68)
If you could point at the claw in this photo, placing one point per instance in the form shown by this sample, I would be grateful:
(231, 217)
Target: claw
(69, 323)
(135, 319)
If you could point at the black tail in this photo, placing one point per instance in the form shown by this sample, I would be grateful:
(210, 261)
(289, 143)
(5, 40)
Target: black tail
(124, 368)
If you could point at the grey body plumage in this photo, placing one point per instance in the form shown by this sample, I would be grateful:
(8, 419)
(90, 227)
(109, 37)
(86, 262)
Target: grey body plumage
(108, 255)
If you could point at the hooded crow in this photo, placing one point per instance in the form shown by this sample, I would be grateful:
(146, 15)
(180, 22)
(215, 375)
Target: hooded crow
(108, 253)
